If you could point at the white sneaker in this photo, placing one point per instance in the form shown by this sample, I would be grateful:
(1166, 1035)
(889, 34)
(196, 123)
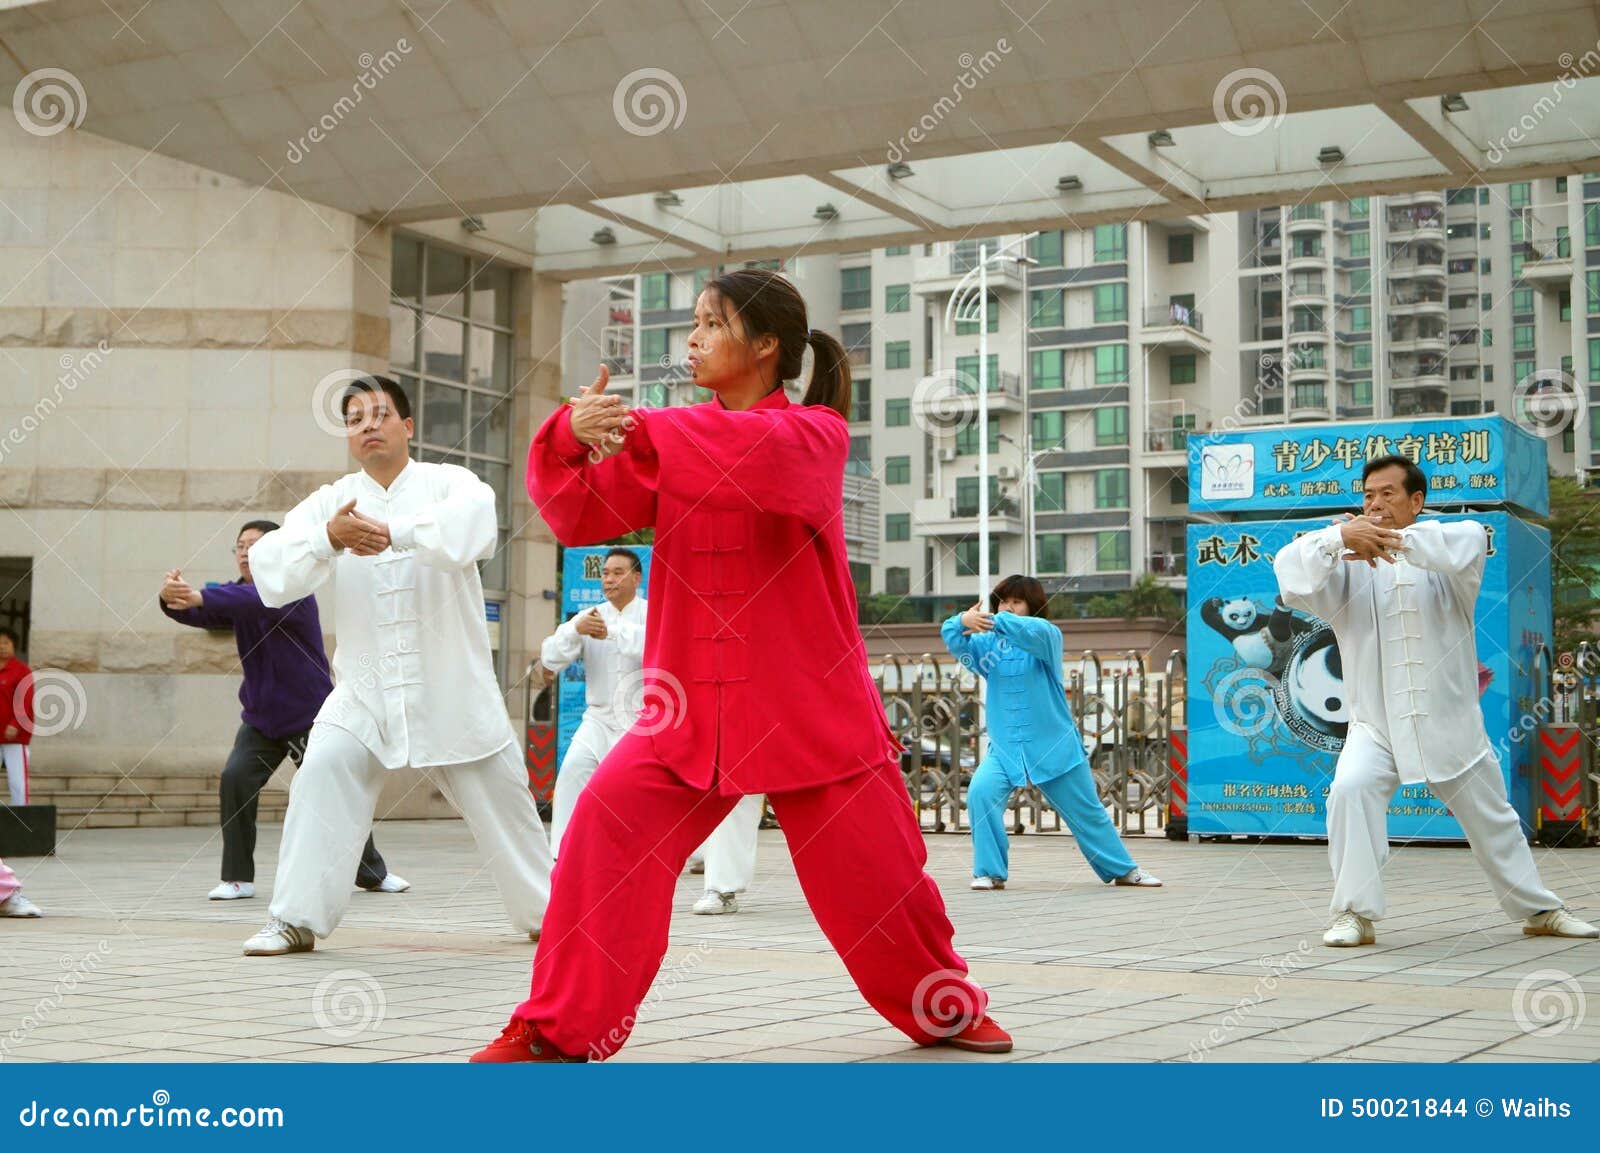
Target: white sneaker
(715, 903)
(1139, 877)
(278, 938)
(1349, 930)
(391, 884)
(232, 891)
(986, 883)
(1553, 923)
(17, 905)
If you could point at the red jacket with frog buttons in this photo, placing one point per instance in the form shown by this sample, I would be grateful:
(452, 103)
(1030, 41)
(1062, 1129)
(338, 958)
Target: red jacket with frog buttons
(16, 702)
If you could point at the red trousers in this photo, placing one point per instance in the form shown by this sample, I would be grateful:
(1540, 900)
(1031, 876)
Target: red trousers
(859, 855)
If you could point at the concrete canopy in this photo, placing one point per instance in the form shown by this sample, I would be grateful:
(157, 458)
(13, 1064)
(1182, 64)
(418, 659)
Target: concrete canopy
(598, 136)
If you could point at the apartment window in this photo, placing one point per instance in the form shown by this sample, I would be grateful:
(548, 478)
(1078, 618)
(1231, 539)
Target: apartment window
(1522, 337)
(1518, 258)
(1048, 309)
(1111, 552)
(897, 354)
(970, 327)
(897, 298)
(897, 526)
(1360, 281)
(1594, 358)
(1522, 301)
(967, 556)
(1111, 488)
(1110, 303)
(1048, 429)
(1488, 378)
(1046, 369)
(1591, 283)
(1591, 225)
(857, 341)
(1520, 369)
(1361, 394)
(1561, 186)
(1484, 231)
(1050, 552)
(1310, 396)
(1361, 356)
(1180, 248)
(655, 290)
(1181, 369)
(861, 399)
(1488, 338)
(1110, 242)
(1484, 266)
(966, 496)
(1111, 425)
(1050, 492)
(1307, 246)
(1360, 244)
(1046, 248)
(1178, 490)
(1458, 196)
(654, 344)
(1483, 196)
(1564, 304)
(859, 462)
(1519, 194)
(1361, 320)
(1518, 230)
(855, 287)
(1111, 362)
(967, 372)
(897, 412)
(1359, 208)
(897, 581)
(898, 250)
(967, 439)
(897, 470)
(1460, 300)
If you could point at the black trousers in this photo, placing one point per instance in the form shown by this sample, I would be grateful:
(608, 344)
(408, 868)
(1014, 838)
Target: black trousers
(255, 755)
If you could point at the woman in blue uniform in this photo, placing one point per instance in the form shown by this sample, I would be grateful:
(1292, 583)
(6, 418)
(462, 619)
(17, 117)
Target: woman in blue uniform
(1033, 739)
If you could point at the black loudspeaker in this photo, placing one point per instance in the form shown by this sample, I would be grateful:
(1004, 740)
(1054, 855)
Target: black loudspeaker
(27, 831)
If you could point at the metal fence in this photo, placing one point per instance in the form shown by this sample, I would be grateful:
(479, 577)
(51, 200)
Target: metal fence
(1126, 717)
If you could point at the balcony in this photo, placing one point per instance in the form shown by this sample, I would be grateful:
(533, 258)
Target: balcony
(1167, 567)
(1418, 342)
(1548, 263)
(940, 274)
(1417, 304)
(1309, 292)
(946, 400)
(1426, 269)
(1306, 260)
(1175, 324)
(1310, 402)
(941, 517)
(1167, 447)
(1419, 397)
(1306, 218)
(1417, 224)
(1416, 200)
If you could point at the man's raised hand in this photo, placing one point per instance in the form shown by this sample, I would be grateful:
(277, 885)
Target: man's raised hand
(361, 535)
(1366, 540)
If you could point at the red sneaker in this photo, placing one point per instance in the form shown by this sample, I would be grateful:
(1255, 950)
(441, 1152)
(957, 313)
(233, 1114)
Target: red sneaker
(520, 1041)
(981, 1037)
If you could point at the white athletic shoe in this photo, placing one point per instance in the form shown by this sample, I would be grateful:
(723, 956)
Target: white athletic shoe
(1139, 877)
(1554, 923)
(232, 891)
(278, 938)
(715, 903)
(987, 883)
(17, 905)
(392, 883)
(1349, 930)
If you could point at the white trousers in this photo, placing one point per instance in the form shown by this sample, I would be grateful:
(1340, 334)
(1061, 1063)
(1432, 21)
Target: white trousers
(16, 762)
(331, 803)
(730, 851)
(1364, 781)
(594, 738)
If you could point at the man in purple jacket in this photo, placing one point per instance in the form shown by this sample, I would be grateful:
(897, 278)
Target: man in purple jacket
(285, 682)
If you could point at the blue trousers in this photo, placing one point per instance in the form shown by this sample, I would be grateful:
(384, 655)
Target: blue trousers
(1072, 794)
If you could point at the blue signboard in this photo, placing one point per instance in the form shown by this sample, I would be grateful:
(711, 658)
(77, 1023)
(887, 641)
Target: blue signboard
(1266, 704)
(580, 589)
(1472, 461)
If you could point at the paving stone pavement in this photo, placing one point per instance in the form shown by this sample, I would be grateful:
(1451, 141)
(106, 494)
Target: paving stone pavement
(132, 963)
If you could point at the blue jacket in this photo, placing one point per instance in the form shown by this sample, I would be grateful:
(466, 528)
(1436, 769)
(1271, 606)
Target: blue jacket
(1032, 736)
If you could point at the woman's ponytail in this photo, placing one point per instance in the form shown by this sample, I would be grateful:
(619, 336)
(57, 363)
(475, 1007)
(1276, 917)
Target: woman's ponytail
(830, 373)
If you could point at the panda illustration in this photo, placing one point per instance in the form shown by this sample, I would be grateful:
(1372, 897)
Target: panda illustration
(1261, 640)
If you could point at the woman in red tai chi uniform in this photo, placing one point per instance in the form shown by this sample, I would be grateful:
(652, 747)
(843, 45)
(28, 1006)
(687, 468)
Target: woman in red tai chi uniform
(755, 681)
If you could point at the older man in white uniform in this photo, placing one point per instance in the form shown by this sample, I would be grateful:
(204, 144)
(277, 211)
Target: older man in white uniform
(1399, 595)
(414, 681)
(609, 637)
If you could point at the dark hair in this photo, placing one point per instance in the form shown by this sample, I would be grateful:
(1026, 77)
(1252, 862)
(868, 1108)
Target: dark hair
(1025, 587)
(397, 395)
(10, 636)
(627, 554)
(1416, 480)
(261, 526)
(768, 303)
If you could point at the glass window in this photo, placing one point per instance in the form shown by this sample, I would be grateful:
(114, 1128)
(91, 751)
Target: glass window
(491, 294)
(1046, 369)
(967, 439)
(1180, 248)
(1594, 358)
(1110, 242)
(1110, 303)
(1111, 425)
(897, 526)
(1181, 368)
(1361, 394)
(1522, 300)
(1048, 429)
(897, 581)
(897, 250)
(897, 470)
(1591, 281)
(405, 273)
(861, 577)
(443, 351)
(966, 496)
(855, 287)
(857, 340)
(859, 462)
(897, 412)
(447, 281)
(403, 325)
(1359, 208)
(897, 298)
(861, 399)
(1111, 364)
(970, 327)
(1049, 309)
(1361, 320)
(1111, 552)
(1360, 244)
(1519, 194)
(1360, 281)
(655, 290)
(654, 346)
(1564, 304)
(1050, 552)
(967, 372)
(1522, 336)
(1488, 338)
(1361, 356)
(1111, 488)
(967, 556)
(1046, 249)
(1591, 225)
(897, 354)
(1050, 492)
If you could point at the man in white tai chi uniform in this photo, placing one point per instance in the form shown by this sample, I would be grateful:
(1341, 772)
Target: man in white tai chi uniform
(1399, 595)
(414, 681)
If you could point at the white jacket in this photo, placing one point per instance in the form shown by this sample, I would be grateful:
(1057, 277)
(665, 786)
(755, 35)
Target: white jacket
(613, 687)
(413, 674)
(1406, 639)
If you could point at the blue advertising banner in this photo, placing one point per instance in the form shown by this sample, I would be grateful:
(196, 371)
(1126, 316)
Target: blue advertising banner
(1266, 702)
(580, 589)
(1470, 460)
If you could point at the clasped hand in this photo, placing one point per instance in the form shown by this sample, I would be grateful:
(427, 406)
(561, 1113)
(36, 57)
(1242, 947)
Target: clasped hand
(599, 420)
(1366, 540)
(361, 535)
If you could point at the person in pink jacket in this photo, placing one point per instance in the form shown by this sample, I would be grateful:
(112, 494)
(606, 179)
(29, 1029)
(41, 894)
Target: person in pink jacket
(755, 681)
